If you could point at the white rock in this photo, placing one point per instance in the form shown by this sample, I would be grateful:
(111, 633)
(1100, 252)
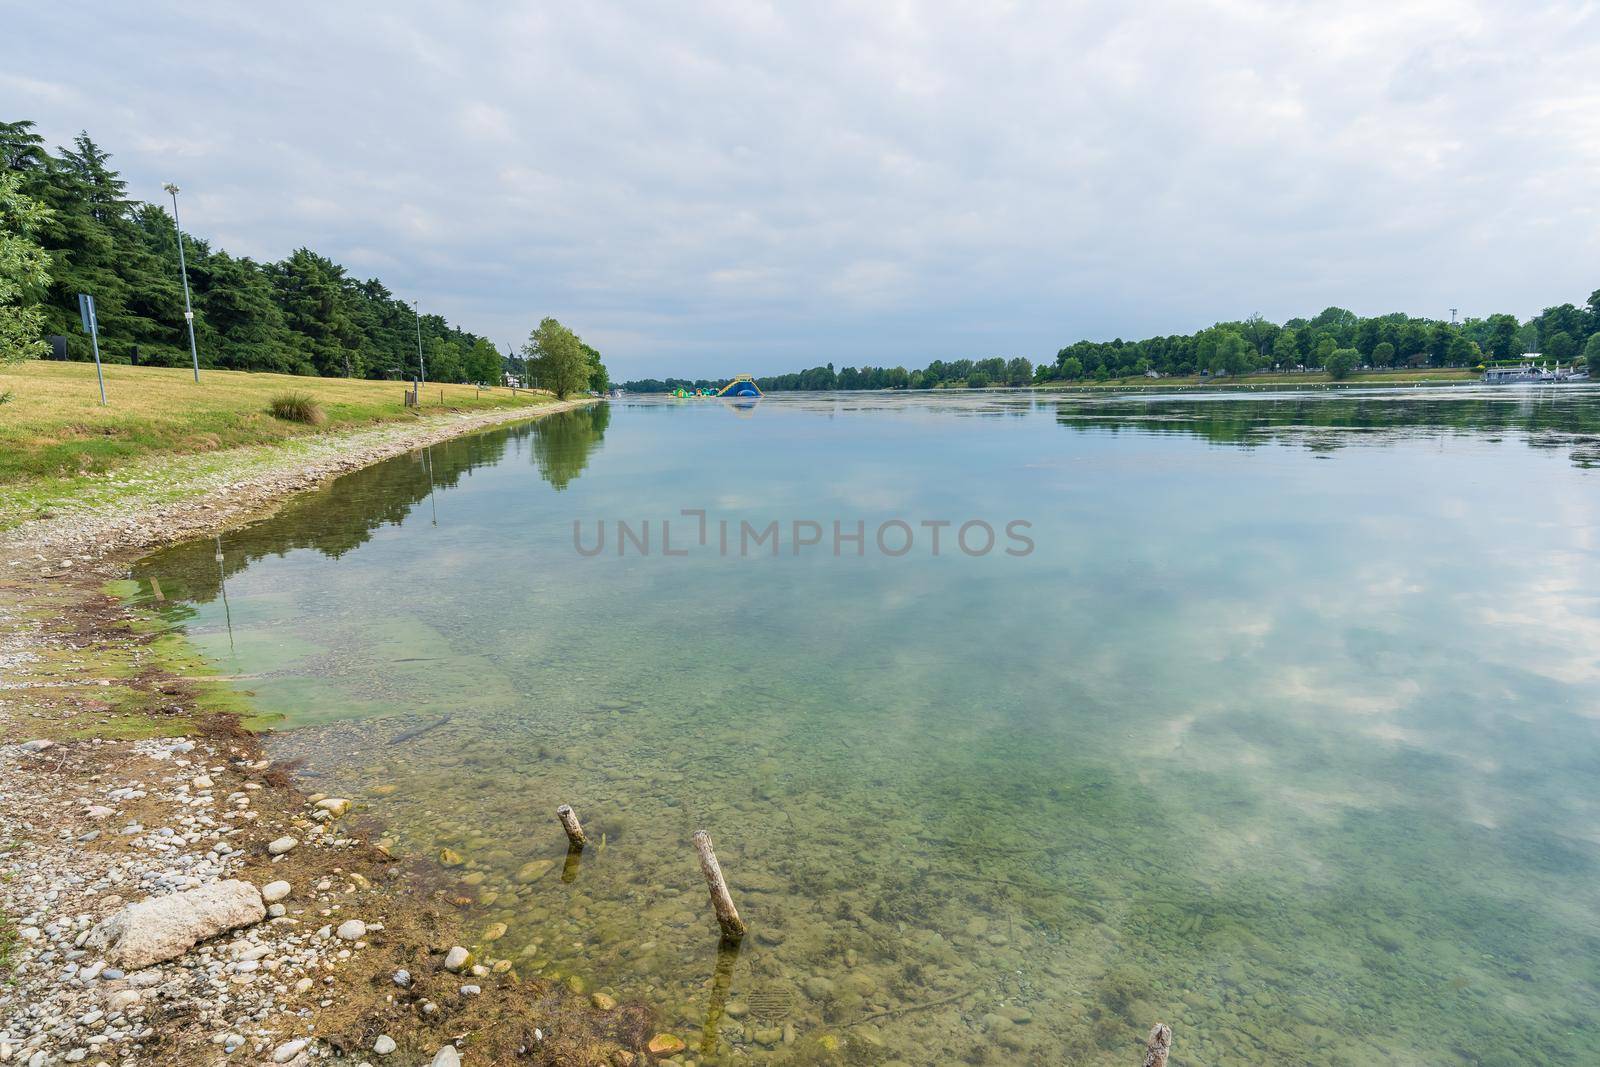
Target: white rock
(163, 928)
(447, 1057)
(201, 782)
(122, 1000)
(352, 930)
(289, 1050)
(282, 845)
(384, 1045)
(273, 892)
(455, 959)
(335, 806)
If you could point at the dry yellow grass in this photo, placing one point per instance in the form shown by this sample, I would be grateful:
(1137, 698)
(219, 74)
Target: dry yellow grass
(54, 427)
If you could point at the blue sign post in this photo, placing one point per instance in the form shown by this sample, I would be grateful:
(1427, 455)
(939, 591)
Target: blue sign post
(91, 326)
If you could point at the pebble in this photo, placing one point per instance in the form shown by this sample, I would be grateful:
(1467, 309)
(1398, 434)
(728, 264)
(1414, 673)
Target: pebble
(352, 930)
(282, 845)
(384, 1045)
(447, 1057)
(402, 978)
(275, 891)
(289, 1050)
(455, 959)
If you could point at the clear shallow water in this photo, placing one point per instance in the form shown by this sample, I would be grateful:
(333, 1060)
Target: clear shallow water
(1287, 733)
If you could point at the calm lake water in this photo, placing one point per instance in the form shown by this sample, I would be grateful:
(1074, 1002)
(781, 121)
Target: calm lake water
(1286, 732)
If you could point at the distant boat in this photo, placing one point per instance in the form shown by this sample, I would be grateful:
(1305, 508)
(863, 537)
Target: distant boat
(1528, 374)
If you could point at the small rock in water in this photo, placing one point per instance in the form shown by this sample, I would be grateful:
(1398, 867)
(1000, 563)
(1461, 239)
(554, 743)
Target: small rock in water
(455, 959)
(665, 1045)
(335, 806)
(384, 1045)
(282, 845)
(450, 857)
(603, 1001)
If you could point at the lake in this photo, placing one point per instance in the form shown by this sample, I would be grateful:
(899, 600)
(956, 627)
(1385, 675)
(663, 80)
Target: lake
(1275, 717)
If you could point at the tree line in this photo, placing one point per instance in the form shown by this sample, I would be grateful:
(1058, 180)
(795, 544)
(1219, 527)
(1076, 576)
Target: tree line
(1336, 340)
(69, 227)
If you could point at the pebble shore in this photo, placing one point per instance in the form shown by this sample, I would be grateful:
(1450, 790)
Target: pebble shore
(325, 945)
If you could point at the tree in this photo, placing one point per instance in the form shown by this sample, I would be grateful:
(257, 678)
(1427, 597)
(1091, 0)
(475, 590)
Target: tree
(484, 365)
(1591, 353)
(1560, 346)
(1382, 354)
(24, 272)
(1341, 363)
(1285, 349)
(1502, 335)
(558, 360)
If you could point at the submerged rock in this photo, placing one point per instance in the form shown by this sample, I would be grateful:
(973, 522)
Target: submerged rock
(163, 928)
(665, 1045)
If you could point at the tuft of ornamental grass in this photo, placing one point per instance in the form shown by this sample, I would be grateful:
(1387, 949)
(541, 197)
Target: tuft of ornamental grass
(297, 407)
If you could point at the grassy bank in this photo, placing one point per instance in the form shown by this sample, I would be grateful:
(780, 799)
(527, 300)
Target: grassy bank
(54, 425)
(1426, 375)
(161, 431)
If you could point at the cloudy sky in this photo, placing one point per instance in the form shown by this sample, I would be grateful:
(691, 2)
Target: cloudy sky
(716, 187)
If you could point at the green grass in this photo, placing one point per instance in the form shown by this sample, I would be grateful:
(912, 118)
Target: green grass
(162, 433)
(54, 426)
(297, 407)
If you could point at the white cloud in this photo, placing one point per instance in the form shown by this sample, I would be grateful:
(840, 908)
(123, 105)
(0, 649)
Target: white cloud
(775, 186)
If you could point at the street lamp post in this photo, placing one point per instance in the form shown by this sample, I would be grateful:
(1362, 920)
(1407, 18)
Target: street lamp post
(421, 370)
(183, 269)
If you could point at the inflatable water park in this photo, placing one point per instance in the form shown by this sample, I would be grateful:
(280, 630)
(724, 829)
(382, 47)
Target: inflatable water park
(742, 385)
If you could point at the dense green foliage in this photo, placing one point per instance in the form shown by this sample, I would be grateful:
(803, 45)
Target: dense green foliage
(556, 359)
(1336, 340)
(24, 271)
(302, 315)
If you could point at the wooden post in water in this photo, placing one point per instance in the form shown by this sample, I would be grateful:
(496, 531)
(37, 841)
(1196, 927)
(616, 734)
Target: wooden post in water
(1158, 1046)
(733, 927)
(569, 823)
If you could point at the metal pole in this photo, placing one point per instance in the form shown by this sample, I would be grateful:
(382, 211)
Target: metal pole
(94, 336)
(420, 368)
(183, 269)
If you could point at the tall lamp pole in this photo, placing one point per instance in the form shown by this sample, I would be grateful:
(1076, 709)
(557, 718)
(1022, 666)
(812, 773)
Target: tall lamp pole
(183, 269)
(422, 370)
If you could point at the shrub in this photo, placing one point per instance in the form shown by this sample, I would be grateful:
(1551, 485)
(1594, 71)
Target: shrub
(296, 407)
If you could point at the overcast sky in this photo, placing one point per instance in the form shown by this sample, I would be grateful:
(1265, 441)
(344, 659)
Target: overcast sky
(715, 188)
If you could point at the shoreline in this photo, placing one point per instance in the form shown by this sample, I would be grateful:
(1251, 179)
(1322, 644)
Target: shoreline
(128, 776)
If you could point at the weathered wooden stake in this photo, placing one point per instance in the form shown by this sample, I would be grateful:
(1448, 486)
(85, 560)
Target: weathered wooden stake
(1157, 1047)
(569, 823)
(733, 927)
